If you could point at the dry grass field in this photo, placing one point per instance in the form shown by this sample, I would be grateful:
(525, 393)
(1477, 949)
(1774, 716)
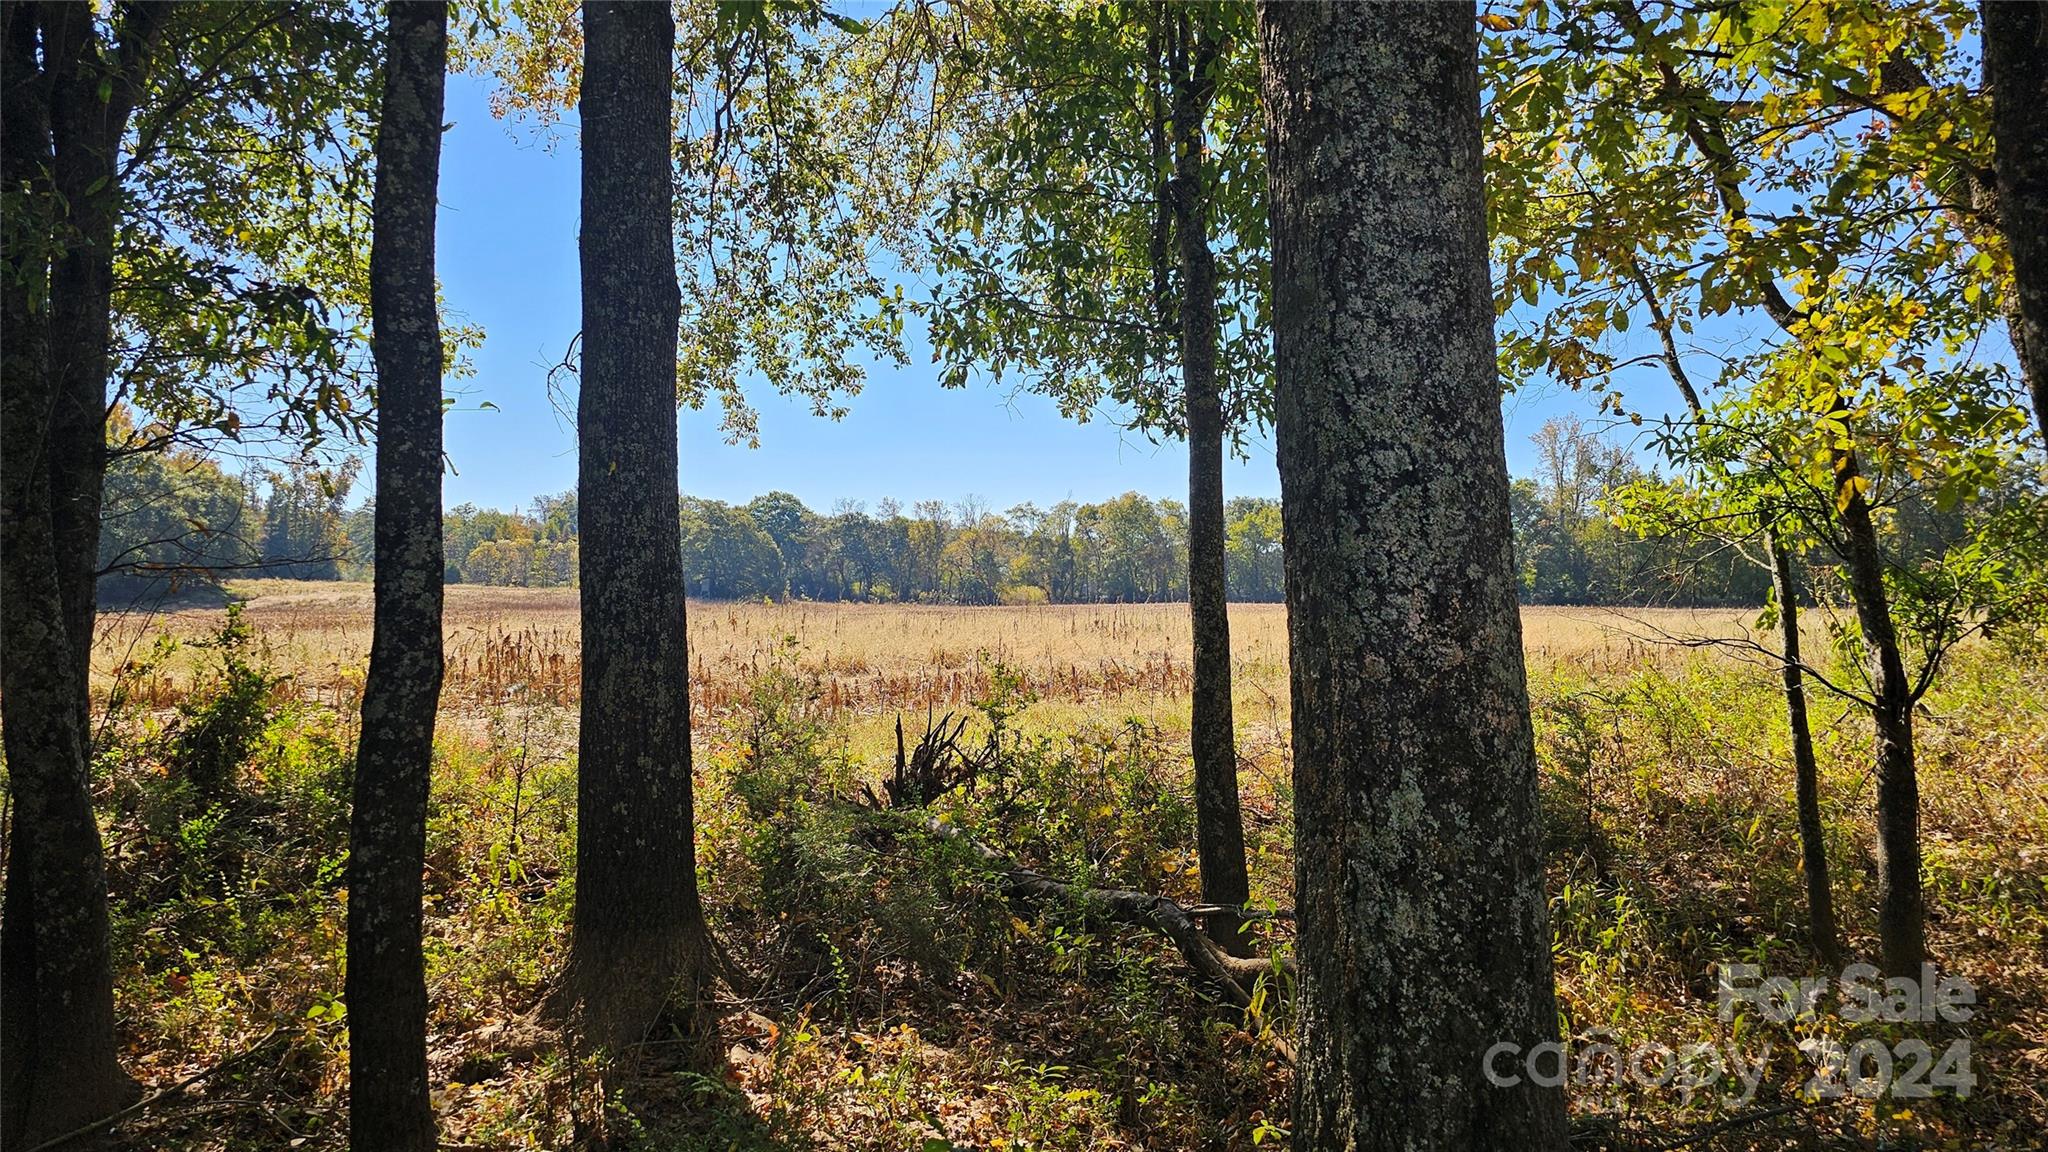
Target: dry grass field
(873, 659)
(885, 1000)
(1080, 664)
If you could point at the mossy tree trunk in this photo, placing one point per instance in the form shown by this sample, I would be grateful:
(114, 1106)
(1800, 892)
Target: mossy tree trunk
(1424, 939)
(389, 1105)
(640, 944)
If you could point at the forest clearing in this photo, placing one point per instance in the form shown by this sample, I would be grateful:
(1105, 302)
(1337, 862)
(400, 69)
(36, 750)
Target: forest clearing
(886, 1003)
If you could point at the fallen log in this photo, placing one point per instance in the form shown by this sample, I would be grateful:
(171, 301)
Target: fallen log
(1229, 974)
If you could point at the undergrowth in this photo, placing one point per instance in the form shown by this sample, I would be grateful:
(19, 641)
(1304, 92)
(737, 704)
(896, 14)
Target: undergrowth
(883, 993)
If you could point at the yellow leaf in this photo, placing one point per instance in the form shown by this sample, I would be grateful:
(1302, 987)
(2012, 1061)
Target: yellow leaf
(1848, 490)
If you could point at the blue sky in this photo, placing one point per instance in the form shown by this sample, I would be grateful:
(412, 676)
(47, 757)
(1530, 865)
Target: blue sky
(507, 255)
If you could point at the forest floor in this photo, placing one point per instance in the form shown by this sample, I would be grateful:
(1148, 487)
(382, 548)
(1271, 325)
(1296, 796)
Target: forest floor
(885, 996)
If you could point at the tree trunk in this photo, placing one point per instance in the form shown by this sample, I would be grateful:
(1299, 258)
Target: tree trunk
(2016, 68)
(1424, 943)
(1820, 895)
(24, 410)
(59, 1067)
(1901, 915)
(91, 99)
(1219, 822)
(80, 285)
(389, 1106)
(639, 927)
(64, 114)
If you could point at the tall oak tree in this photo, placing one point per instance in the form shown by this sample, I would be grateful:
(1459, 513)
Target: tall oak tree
(1424, 940)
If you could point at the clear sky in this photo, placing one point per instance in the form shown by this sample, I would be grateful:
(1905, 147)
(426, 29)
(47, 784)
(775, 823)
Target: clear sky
(507, 254)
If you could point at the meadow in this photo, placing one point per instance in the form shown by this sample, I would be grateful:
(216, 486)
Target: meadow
(870, 659)
(880, 992)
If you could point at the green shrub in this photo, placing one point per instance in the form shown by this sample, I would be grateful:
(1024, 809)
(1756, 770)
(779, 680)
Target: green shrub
(220, 722)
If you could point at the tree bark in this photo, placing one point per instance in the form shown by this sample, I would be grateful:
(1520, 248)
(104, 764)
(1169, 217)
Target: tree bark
(92, 98)
(1901, 915)
(1820, 895)
(389, 1105)
(1219, 821)
(1424, 940)
(2016, 67)
(59, 1068)
(640, 943)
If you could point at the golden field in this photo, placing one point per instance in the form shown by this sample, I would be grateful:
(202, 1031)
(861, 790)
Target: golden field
(873, 659)
(1082, 664)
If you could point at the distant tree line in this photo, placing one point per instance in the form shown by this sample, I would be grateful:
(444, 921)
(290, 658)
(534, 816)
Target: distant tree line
(1131, 548)
(1570, 550)
(177, 513)
(174, 517)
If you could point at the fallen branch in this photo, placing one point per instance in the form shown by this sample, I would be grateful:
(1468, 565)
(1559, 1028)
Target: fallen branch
(1241, 911)
(1229, 974)
(156, 1097)
(1742, 1120)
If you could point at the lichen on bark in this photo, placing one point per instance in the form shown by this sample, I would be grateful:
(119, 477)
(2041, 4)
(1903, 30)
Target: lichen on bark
(1424, 938)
